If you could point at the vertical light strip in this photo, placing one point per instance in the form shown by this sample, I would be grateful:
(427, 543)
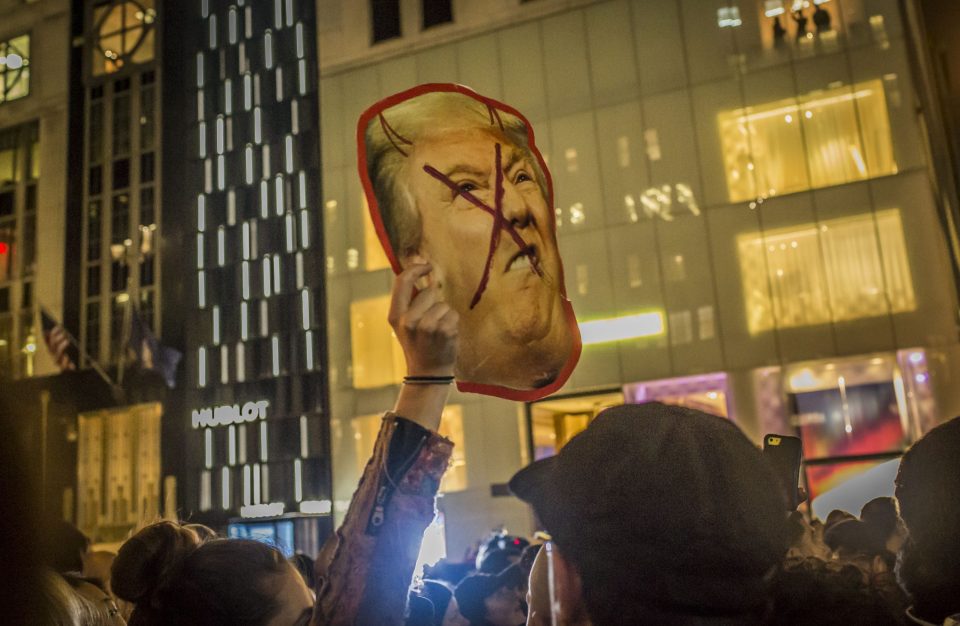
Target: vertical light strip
(276, 274)
(219, 134)
(298, 260)
(248, 22)
(256, 483)
(302, 184)
(264, 199)
(265, 161)
(201, 290)
(248, 162)
(288, 229)
(208, 448)
(308, 339)
(297, 480)
(221, 173)
(278, 13)
(289, 12)
(300, 46)
(253, 238)
(244, 321)
(228, 96)
(202, 139)
(202, 367)
(245, 279)
(256, 90)
(204, 8)
(295, 116)
(246, 485)
(264, 319)
(225, 484)
(231, 207)
(213, 31)
(224, 364)
(302, 76)
(305, 308)
(200, 70)
(247, 92)
(275, 345)
(278, 192)
(266, 276)
(304, 437)
(241, 363)
(201, 109)
(221, 246)
(263, 441)
(242, 443)
(268, 49)
(265, 487)
(201, 212)
(257, 127)
(205, 489)
(243, 63)
(199, 251)
(216, 325)
(288, 152)
(304, 229)
(245, 239)
(232, 24)
(279, 83)
(232, 445)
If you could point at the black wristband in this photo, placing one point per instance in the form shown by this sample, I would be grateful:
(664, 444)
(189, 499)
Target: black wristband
(428, 380)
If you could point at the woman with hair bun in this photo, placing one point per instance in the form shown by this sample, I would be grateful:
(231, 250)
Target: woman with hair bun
(173, 578)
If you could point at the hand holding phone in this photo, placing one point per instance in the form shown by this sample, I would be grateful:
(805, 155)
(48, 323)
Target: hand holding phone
(785, 453)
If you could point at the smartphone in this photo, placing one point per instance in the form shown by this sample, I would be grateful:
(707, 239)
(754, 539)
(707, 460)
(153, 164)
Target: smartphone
(785, 454)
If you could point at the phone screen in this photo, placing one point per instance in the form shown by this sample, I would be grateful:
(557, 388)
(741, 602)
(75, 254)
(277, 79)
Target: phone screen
(785, 453)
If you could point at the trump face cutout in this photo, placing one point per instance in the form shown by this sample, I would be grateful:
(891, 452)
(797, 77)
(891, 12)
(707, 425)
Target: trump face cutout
(455, 179)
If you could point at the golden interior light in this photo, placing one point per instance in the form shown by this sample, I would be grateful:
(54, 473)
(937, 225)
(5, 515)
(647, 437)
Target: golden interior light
(636, 326)
(827, 137)
(842, 269)
(377, 356)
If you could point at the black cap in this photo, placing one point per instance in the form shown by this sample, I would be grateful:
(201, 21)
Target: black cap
(664, 491)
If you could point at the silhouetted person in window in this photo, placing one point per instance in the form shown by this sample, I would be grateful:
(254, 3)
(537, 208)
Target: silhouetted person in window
(821, 19)
(779, 32)
(801, 21)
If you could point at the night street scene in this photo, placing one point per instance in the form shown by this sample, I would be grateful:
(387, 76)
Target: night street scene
(480, 312)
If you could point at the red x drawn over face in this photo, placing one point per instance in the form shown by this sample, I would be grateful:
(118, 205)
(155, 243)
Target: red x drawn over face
(499, 221)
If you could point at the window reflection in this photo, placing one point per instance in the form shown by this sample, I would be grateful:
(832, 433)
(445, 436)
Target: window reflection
(14, 68)
(377, 357)
(834, 271)
(827, 137)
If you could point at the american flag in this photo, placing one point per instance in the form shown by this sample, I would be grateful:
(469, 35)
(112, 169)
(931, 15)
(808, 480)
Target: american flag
(60, 343)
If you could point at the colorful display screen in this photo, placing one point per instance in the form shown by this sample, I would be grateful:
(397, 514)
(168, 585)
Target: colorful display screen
(278, 534)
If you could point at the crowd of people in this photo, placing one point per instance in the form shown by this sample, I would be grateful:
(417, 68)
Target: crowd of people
(654, 514)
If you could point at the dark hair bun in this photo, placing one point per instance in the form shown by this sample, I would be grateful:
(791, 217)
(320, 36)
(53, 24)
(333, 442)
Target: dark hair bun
(148, 559)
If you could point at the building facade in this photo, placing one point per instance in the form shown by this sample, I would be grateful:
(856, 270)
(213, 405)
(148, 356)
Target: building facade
(747, 214)
(34, 106)
(254, 416)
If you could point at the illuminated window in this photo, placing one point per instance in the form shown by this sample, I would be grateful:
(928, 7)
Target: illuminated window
(366, 427)
(828, 137)
(124, 33)
(377, 357)
(374, 256)
(14, 68)
(835, 271)
(555, 422)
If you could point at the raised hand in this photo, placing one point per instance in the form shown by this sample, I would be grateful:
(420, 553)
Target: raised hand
(427, 328)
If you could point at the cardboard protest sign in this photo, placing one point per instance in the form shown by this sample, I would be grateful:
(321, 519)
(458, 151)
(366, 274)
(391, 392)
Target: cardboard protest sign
(456, 179)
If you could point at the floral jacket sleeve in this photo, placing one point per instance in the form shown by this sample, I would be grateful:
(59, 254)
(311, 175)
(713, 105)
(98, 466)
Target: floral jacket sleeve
(365, 569)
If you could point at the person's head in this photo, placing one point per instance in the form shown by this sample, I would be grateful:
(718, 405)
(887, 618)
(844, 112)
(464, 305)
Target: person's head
(659, 514)
(814, 592)
(430, 159)
(928, 492)
(487, 600)
(64, 546)
(204, 532)
(172, 578)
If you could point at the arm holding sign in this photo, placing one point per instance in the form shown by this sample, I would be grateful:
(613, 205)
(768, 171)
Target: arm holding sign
(364, 571)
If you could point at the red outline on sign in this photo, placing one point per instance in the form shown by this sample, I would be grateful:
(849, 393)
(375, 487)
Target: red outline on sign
(494, 106)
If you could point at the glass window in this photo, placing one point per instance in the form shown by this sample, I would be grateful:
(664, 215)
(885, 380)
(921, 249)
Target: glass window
(120, 231)
(93, 230)
(386, 19)
(146, 167)
(833, 271)
(124, 34)
(436, 12)
(809, 142)
(121, 173)
(95, 143)
(121, 123)
(14, 68)
(93, 330)
(147, 116)
(377, 356)
(147, 216)
(93, 280)
(8, 242)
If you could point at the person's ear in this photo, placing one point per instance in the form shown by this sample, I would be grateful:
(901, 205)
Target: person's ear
(569, 590)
